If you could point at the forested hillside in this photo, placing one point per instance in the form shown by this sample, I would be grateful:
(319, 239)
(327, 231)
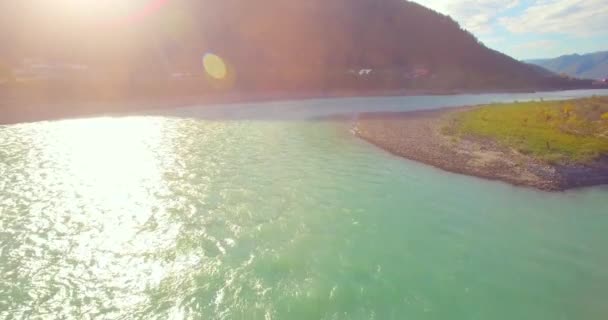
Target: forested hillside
(276, 45)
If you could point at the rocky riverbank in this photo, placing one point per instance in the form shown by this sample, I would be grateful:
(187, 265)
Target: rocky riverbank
(420, 136)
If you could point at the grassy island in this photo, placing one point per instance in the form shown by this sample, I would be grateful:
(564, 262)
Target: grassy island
(550, 145)
(572, 131)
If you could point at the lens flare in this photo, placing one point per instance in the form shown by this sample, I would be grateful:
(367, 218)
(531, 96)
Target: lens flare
(215, 66)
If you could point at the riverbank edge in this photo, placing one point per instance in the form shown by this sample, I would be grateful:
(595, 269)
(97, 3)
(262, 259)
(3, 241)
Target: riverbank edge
(14, 110)
(419, 136)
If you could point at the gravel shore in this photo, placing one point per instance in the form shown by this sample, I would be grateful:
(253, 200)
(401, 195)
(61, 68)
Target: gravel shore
(419, 136)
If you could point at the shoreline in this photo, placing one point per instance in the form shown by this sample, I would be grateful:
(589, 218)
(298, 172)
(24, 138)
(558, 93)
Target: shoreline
(417, 136)
(25, 108)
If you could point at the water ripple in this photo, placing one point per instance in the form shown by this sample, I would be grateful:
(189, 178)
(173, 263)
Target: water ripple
(169, 218)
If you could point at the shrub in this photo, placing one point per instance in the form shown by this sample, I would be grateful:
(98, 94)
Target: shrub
(567, 110)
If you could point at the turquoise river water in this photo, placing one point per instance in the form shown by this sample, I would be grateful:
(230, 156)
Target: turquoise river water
(262, 211)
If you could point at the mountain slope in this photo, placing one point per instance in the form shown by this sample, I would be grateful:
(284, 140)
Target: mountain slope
(311, 43)
(592, 65)
(288, 45)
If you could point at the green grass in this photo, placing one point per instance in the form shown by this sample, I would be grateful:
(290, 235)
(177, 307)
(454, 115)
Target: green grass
(573, 131)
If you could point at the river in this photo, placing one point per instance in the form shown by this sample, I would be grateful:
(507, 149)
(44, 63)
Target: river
(263, 211)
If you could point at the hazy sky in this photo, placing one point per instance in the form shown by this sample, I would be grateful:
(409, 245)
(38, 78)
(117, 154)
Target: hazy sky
(532, 28)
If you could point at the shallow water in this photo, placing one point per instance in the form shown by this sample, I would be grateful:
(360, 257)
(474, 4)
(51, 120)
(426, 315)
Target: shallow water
(255, 212)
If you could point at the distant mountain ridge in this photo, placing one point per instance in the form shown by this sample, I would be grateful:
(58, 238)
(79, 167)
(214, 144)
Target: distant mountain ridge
(587, 66)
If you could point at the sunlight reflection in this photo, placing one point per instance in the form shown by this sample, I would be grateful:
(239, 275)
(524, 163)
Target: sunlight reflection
(112, 164)
(111, 173)
(109, 155)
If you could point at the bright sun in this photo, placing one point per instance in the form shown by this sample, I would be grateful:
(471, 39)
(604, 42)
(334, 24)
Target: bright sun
(106, 9)
(96, 7)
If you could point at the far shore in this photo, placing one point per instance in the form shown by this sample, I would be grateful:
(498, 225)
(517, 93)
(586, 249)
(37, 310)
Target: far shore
(33, 108)
(418, 136)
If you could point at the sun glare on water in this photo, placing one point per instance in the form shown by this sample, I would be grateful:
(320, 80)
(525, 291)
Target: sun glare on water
(111, 162)
(108, 153)
(108, 173)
